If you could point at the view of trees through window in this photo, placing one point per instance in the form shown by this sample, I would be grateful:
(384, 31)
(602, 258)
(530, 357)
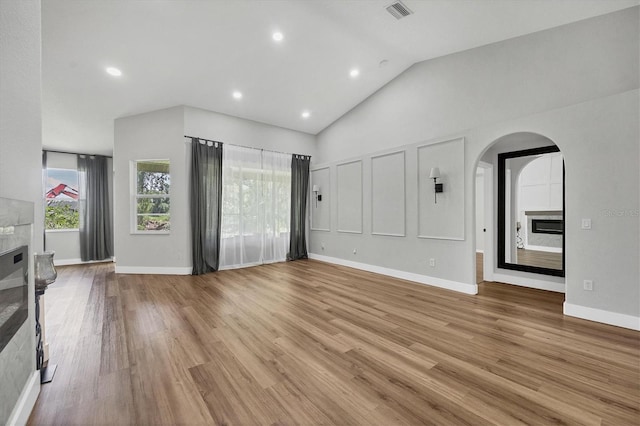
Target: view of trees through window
(153, 183)
(61, 199)
(245, 195)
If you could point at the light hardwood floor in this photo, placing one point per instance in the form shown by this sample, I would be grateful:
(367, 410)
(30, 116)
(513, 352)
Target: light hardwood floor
(311, 343)
(543, 259)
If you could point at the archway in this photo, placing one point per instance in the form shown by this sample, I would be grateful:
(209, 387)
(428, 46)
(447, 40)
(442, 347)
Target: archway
(520, 217)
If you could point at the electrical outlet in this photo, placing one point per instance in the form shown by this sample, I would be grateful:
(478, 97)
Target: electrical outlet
(432, 262)
(322, 246)
(354, 251)
(587, 285)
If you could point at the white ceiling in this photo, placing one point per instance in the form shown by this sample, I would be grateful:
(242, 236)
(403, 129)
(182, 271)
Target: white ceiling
(197, 52)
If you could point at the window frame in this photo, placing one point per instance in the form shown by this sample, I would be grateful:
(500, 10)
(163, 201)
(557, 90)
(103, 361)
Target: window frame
(134, 197)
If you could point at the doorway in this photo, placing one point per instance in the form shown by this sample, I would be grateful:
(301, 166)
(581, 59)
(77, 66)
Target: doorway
(484, 225)
(508, 226)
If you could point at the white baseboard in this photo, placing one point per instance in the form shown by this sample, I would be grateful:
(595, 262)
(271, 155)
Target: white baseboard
(600, 315)
(153, 270)
(21, 412)
(78, 261)
(409, 276)
(529, 282)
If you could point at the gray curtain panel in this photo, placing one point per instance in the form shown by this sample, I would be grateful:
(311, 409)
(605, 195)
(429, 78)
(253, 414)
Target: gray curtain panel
(206, 206)
(96, 232)
(299, 193)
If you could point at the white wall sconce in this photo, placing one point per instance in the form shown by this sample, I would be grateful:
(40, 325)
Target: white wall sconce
(316, 193)
(435, 174)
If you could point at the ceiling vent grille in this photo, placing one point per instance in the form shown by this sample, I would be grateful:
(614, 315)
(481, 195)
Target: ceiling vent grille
(399, 10)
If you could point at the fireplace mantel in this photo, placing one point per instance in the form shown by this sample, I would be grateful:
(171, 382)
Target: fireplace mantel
(17, 359)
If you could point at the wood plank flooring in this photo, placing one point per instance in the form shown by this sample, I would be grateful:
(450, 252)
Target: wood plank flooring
(543, 259)
(312, 343)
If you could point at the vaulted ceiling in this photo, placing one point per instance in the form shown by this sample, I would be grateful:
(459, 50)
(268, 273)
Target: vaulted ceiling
(198, 52)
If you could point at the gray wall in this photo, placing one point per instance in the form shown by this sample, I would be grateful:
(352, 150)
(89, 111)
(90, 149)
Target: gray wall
(20, 104)
(577, 85)
(238, 131)
(395, 220)
(153, 136)
(539, 72)
(20, 166)
(320, 211)
(160, 135)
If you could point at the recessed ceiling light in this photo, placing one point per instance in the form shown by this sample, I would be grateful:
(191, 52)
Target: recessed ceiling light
(354, 73)
(278, 36)
(114, 71)
(306, 114)
(237, 95)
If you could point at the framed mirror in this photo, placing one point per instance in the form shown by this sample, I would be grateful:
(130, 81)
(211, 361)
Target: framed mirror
(531, 210)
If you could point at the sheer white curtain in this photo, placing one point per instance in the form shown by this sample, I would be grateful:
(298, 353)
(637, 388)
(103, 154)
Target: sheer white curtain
(256, 204)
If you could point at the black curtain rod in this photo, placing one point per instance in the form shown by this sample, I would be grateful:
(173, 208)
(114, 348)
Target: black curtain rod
(76, 153)
(202, 139)
(242, 146)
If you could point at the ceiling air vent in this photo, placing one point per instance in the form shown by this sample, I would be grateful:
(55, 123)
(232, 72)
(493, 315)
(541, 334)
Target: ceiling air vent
(399, 10)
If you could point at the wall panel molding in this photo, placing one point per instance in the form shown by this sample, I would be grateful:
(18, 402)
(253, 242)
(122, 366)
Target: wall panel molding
(321, 213)
(444, 219)
(349, 197)
(388, 194)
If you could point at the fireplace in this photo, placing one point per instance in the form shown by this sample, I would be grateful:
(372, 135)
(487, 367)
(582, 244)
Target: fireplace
(547, 226)
(17, 337)
(13, 292)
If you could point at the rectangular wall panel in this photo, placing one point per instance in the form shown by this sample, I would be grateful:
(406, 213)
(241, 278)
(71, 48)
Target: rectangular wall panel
(349, 196)
(441, 215)
(321, 211)
(388, 194)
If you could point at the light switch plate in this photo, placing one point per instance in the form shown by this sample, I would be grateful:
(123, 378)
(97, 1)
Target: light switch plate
(586, 223)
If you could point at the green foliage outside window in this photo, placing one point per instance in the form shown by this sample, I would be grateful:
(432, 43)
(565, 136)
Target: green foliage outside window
(153, 183)
(61, 199)
(245, 196)
(61, 216)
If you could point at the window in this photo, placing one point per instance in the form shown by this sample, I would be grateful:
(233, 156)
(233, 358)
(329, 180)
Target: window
(61, 199)
(256, 206)
(151, 199)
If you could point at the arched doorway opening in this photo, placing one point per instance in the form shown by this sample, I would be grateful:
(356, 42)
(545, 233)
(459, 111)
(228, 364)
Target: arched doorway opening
(520, 206)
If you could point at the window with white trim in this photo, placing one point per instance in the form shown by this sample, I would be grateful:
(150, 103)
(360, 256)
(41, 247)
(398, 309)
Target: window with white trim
(151, 200)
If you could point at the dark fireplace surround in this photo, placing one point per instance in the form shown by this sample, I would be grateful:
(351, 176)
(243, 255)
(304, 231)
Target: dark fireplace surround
(547, 226)
(14, 295)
